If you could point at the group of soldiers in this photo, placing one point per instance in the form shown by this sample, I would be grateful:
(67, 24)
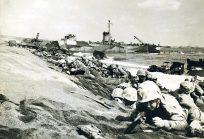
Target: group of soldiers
(171, 110)
(165, 109)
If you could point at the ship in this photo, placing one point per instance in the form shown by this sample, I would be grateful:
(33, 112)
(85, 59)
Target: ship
(108, 43)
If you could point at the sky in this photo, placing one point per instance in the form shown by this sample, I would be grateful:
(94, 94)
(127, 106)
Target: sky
(168, 22)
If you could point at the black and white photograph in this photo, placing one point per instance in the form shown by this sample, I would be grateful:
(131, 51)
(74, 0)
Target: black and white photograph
(101, 69)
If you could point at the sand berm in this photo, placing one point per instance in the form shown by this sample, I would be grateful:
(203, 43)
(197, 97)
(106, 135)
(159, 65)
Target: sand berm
(39, 103)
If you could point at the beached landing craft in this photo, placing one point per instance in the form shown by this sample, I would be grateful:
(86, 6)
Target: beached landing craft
(107, 43)
(146, 47)
(65, 44)
(33, 42)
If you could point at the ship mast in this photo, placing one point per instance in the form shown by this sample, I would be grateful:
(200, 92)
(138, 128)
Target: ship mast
(109, 23)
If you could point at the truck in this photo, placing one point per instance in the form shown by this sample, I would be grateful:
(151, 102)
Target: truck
(168, 68)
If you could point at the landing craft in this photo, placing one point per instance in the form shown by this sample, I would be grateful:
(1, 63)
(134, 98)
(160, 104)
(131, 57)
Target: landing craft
(62, 46)
(106, 44)
(33, 43)
(146, 47)
(70, 41)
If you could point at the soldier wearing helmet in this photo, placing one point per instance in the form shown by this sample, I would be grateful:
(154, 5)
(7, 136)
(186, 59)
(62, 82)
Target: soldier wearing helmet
(117, 95)
(198, 92)
(130, 96)
(194, 115)
(162, 110)
(142, 75)
(133, 80)
(145, 75)
(186, 87)
(113, 68)
(191, 89)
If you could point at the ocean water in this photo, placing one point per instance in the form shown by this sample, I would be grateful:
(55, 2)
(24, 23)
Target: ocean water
(134, 61)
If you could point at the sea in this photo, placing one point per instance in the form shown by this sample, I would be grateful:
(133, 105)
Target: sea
(134, 61)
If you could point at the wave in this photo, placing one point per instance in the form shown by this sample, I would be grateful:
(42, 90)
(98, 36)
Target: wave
(123, 64)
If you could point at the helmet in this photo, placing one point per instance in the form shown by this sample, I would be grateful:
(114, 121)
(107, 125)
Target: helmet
(141, 72)
(151, 77)
(132, 74)
(124, 85)
(130, 94)
(187, 86)
(148, 91)
(117, 93)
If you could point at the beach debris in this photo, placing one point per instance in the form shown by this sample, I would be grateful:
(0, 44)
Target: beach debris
(90, 131)
(12, 43)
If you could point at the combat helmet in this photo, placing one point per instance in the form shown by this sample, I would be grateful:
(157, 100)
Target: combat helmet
(151, 77)
(148, 91)
(141, 72)
(117, 93)
(187, 87)
(130, 94)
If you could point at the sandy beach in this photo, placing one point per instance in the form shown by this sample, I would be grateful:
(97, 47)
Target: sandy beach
(48, 108)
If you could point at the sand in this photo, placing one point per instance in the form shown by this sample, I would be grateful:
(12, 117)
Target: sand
(48, 108)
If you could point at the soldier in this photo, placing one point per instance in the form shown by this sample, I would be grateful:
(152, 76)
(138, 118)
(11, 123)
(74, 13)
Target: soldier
(195, 115)
(162, 110)
(142, 75)
(198, 92)
(190, 88)
(117, 95)
(151, 77)
(134, 80)
(145, 75)
(186, 87)
(114, 71)
(130, 97)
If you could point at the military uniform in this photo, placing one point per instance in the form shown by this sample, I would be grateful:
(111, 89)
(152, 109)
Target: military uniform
(169, 111)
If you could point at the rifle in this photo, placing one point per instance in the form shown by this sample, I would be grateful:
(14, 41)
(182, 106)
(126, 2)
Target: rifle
(98, 101)
(135, 122)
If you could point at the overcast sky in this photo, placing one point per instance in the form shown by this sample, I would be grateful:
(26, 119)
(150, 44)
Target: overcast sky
(170, 22)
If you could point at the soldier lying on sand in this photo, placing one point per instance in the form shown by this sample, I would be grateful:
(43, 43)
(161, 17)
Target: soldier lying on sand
(161, 110)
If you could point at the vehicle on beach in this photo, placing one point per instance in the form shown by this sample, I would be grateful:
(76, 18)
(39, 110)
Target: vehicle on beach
(164, 68)
(195, 67)
(177, 68)
(168, 68)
